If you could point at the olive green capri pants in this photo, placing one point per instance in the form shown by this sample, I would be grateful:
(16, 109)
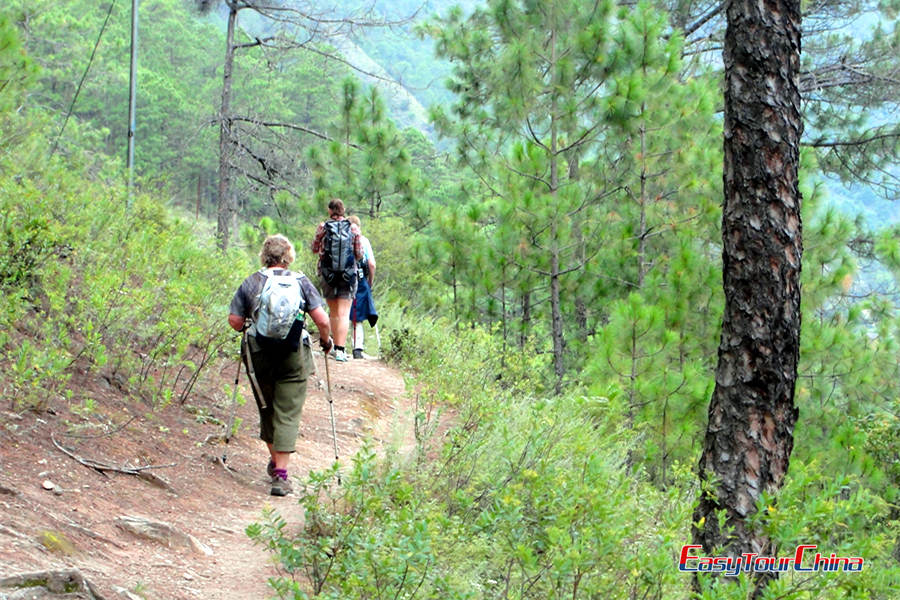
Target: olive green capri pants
(281, 378)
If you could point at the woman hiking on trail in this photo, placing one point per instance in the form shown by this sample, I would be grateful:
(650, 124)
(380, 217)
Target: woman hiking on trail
(337, 242)
(363, 308)
(275, 349)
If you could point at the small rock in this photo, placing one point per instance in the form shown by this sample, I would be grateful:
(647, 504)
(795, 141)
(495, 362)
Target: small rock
(48, 485)
(161, 532)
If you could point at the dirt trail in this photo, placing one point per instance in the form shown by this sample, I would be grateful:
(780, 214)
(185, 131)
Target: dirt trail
(74, 524)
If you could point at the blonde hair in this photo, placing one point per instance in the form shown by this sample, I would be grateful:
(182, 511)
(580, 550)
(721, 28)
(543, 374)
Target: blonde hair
(355, 220)
(277, 250)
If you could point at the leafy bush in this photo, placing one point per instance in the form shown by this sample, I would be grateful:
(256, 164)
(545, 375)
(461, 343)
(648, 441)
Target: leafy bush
(532, 497)
(129, 294)
(528, 503)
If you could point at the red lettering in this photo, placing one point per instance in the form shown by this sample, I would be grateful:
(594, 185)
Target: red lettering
(685, 550)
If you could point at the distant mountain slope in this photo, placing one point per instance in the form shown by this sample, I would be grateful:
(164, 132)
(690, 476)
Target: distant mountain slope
(404, 107)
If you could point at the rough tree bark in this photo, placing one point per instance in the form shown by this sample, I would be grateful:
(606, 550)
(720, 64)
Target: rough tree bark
(225, 207)
(749, 436)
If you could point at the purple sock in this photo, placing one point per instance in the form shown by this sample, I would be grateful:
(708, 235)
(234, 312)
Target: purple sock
(282, 473)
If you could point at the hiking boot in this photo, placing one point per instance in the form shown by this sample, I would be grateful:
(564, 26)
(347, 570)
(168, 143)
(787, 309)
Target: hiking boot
(357, 353)
(281, 486)
(270, 469)
(340, 356)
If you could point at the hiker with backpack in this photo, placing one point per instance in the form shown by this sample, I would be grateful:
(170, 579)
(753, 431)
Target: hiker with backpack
(337, 242)
(269, 307)
(363, 307)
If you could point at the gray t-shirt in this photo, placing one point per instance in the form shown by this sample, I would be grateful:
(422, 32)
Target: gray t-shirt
(244, 303)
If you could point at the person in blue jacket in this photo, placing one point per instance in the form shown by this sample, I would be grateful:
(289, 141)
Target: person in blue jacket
(363, 308)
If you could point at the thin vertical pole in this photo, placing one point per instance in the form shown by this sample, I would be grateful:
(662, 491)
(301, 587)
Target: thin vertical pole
(132, 96)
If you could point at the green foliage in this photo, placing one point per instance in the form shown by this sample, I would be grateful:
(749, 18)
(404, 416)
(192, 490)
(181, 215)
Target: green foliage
(372, 537)
(838, 515)
(598, 166)
(367, 164)
(522, 493)
(17, 72)
(172, 141)
(529, 501)
(85, 292)
(529, 497)
(473, 358)
(402, 280)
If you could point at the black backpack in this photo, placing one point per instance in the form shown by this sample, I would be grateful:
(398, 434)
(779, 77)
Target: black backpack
(338, 260)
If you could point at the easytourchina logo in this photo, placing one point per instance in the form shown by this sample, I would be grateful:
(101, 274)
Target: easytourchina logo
(803, 560)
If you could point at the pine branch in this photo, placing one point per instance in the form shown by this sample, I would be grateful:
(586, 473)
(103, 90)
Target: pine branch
(293, 126)
(704, 19)
(857, 142)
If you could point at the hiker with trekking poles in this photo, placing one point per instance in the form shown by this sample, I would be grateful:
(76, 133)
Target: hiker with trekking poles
(363, 307)
(269, 308)
(338, 244)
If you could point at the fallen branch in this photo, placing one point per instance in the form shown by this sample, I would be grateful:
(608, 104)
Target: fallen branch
(108, 433)
(242, 479)
(102, 467)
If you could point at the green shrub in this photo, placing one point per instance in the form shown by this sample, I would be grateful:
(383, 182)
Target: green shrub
(528, 502)
(128, 294)
(532, 497)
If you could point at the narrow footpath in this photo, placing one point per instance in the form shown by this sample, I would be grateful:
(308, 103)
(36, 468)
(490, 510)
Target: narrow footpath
(60, 512)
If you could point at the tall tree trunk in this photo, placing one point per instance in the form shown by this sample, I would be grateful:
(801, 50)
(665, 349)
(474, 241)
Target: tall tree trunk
(526, 320)
(503, 309)
(556, 322)
(199, 194)
(749, 437)
(581, 306)
(642, 224)
(226, 208)
(455, 297)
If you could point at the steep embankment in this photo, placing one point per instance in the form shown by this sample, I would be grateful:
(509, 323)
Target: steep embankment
(78, 522)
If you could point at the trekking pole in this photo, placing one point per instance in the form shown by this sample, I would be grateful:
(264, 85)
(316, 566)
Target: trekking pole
(331, 410)
(237, 376)
(378, 337)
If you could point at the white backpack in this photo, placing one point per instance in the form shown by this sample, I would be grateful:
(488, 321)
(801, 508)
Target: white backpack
(280, 301)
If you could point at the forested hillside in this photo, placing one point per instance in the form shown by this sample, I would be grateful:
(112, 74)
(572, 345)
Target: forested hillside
(550, 271)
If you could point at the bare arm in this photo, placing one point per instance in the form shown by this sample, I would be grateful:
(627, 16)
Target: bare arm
(357, 242)
(320, 318)
(316, 245)
(236, 322)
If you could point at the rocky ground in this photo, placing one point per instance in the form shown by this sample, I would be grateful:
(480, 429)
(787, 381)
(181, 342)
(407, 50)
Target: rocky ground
(76, 491)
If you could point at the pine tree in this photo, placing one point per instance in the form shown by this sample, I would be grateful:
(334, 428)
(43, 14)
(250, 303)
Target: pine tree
(848, 81)
(366, 164)
(528, 77)
(653, 355)
(752, 413)
(17, 73)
